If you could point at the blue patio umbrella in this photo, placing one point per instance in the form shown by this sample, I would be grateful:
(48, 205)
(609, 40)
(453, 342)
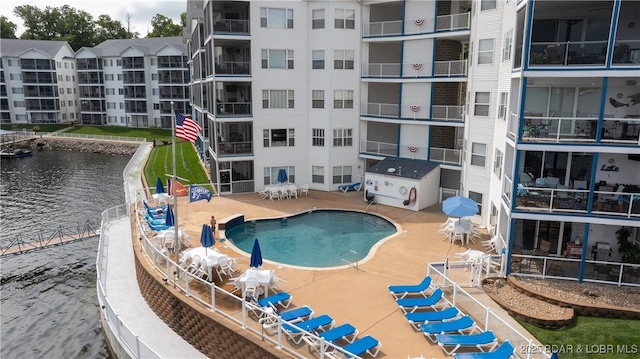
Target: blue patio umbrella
(459, 206)
(206, 237)
(554, 355)
(282, 175)
(169, 219)
(159, 186)
(256, 255)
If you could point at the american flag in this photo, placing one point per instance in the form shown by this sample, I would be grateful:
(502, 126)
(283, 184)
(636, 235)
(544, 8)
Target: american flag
(186, 128)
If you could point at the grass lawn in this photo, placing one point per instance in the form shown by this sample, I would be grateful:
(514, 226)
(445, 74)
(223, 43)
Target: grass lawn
(43, 127)
(591, 337)
(148, 133)
(160, 164)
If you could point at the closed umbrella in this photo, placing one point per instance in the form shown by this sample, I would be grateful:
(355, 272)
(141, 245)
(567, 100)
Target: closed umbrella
(459, 206)
(282, 175)
(169, 219)
(159, 186)
(256, 255)
(206, 237)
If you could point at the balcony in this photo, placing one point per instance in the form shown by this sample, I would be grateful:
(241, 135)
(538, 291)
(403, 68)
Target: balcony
(553, 129)
(448, 156)
(231, 26)
(626, 53)
(379, 109)
(415, 70)
(623, 203)
(418, 26)
(569, 53)
(621, 130)
(233, 108)
(379, 148)
(235, 148)
(233, 68)
(447, 113)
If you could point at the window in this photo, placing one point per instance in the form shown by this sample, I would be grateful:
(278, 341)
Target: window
(62, 104)
(342, 137)
(485, 51)
(317, 19)
(13, 62)
(502, 106)
(70, 103)
(345, 19)
(341, 174)
(120, 91)
(271, 174)
(482, 104)
(58, 64)
(343, 59)
(278, 137)
(506, 47)
(156, 106)
(277, 59)
(317, 98)
(108, 77)
(478, 154)
(59, 77)
(111, 91)
(66, 65)
(477, 197)
(15, 76)
(119, 77)
(19, 104)
(277, 99)
(17, 90)
(317, 59)
(154, 77)
(497, 163)
(69, 91)
(111, 105)
(108, 63)
(122, 105)
(155, 91)
(343, 99)
(487, 5)
(317, 174)
(317, 137)
(274, 18)
(68, 78)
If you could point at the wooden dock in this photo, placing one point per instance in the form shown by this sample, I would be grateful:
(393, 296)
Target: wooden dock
(55, 237)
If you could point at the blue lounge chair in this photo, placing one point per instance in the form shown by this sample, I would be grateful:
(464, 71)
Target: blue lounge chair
(345, 332)
(415, 303)
(153, 209)
(457, 341)
(462, 325)
(296, 314)
(283, 299)
(417, 318)
(318, 323)
(504, 351)
(346, 187)
(363, 345)
(401, 291)
(158, 227)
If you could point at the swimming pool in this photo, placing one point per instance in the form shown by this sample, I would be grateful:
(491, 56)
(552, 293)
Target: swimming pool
(313, 239)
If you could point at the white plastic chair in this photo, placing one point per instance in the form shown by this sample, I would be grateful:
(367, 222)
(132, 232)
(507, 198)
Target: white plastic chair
(250, 288)
(264, 194)
(293, 192)
(274, 193)
(203, 271)
(305, 190)
(195, 264)
(224, 267)
(284, 193)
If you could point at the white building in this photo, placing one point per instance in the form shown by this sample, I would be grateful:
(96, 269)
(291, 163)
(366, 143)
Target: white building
(490, 90)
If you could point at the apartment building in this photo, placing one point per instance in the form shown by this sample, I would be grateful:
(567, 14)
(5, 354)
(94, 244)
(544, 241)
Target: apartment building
(38, 82)
(132, 82)
(531, 108)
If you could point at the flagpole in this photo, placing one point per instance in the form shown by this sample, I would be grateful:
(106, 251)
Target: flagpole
(176, 238)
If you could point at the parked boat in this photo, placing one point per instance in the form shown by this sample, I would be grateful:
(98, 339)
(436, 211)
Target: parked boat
(15, 153)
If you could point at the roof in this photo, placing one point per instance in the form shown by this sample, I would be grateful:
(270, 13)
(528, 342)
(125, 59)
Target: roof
(16, 47)
(402, 167)
(148, 46)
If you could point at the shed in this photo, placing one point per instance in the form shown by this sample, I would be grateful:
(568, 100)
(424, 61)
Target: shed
(403, 183)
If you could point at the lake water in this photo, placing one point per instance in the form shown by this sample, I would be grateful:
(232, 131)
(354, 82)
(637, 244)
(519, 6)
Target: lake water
(48, 303)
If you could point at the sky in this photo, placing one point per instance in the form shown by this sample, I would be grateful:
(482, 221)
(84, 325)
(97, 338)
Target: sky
(141, 10)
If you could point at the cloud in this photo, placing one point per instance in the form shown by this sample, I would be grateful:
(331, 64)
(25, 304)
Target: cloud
(142, 12)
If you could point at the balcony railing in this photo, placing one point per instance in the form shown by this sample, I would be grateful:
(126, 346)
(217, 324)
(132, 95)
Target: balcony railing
(416, 112)
(507, 187)
(233, 108)
(392, 70)
(552, 199)
(621, 130)
(379, 109)
(570, 53)
(233, 68)
(447, 156)
(626, 53)
(418, 25)
(379, 148)
(450, 68)
(554, 129)
(235, 148)
(623, 204)
(447, 113)
(514, 121)
(231, 26)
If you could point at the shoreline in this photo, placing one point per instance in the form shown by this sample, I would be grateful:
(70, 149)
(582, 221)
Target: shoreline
(116, 148)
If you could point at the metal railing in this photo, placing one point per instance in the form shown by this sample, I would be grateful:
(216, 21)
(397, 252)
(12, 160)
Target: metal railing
(353, 263)
(234, 148)
(233, 68)
(450, 68)
(447, 113)
(507, 188)
(233, 108)
(392, 70)
(445, 155)
(231, 25)
(569, 53)
(379, 109)
(94, 137)
(445, 193)
(379, 148)
(484, 317)
(418, 25)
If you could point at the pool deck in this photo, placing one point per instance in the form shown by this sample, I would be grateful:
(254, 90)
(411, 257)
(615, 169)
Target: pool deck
(359, 297)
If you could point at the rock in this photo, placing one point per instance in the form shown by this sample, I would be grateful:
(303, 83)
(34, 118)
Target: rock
(80, 145)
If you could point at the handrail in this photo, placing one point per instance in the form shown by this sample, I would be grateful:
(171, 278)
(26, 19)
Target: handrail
(351, 251)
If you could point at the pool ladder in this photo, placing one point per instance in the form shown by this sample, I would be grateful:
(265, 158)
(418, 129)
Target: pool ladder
(353, 263)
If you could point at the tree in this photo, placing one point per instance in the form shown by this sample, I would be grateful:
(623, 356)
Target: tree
(106, 28)
(63, 23)
(7, 28)
(164, 27)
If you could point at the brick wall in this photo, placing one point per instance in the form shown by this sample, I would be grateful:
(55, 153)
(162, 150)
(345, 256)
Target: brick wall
(443, 137)
(448, 50)
(446, 93)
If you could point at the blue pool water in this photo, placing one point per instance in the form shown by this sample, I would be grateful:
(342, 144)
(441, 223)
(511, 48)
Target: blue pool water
(313, 239)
